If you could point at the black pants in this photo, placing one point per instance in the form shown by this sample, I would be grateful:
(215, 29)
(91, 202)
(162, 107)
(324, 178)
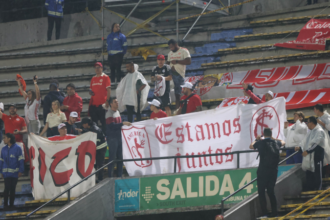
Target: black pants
(130, 111)
(100, 154)
(97, 114)
(267, 180)
(115, 62)
(314, 179)
(309, 2)
(52, 131)
(10, 188)
(115, 152)
(51, 21)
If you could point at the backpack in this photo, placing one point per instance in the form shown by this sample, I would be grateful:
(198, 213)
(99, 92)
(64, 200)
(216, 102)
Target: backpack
(271, 152)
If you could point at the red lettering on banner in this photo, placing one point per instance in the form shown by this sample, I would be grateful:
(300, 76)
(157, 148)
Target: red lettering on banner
(200, 160)
(188, 132)
(188, 160)
(85, 148)
(161, 133)
(210, 152)
(178, 160)
(231, 156)
(225, 132)
(60, 179)
(217, 160)
(201, 131)
(32, 156)
(212, 125)
(42, 165)
(180, 135)
(193, 160)
(204, 153)
(237, 125)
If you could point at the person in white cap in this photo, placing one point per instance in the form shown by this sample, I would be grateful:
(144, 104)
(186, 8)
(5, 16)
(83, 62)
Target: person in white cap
(268, 95)
(156, 111)
(71, 124)
(63, 134)
(190, 102)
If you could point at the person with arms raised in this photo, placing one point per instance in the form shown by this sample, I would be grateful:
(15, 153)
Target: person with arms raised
(54, 118)
(256, 99)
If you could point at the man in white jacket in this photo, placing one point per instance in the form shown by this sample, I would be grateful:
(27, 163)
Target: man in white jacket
(294, 134)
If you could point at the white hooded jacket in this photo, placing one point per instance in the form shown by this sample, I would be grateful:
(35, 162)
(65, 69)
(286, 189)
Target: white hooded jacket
(126, 91)
(295, 133)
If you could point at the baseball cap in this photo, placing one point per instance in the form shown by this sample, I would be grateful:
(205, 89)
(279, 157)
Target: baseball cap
(270, 93)
(74, 114)
(154, 102)
(98, 64)
(12, 105)
(160, 57)
(187, 85)
(61, 126)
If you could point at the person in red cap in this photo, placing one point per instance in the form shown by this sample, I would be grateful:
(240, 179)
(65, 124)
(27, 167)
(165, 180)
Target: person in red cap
(159, 72)
(100, 90)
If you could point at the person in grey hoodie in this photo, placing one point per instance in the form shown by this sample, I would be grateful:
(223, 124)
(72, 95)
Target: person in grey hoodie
(53, 94)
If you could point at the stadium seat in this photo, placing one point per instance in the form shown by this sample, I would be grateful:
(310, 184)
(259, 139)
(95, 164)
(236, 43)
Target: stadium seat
(266, 35)
(290, 19)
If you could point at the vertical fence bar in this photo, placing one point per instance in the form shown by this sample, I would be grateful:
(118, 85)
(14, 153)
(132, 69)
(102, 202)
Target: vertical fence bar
(102, 5)
(177, 22)
(69, 196)
(174, 165)
(237, 160)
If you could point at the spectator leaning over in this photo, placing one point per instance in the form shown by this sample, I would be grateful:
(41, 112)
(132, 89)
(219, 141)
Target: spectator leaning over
(73, 102)
(156, 111)
(1, 121)
(31, 109)
(132, 92)
(11, 168)
(178, 58)
(257, 100)
(63, 134)
(54, 118)
(159, 72)
(269, 151)
(101, 145)
(55, 15)
(117, 46)
(71, 124)
(190, 102)
(313, 151)
(100, 90)
(294, 134)
(53, 95)
(113, 134)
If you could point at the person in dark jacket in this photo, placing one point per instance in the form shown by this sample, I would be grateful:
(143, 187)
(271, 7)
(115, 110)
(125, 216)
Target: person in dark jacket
(249, 87)
(1, 122)
(55, 15)
(113, 133)
(53, 94)
(116, 46)
(11, 167)
(256, 99)
(101, 145)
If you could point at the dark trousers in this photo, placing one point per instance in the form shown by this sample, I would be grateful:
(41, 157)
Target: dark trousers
(295, 159)
(314, 179)
(97, 114)
(100, 154)
(51, 21)
(10, 188)
(130, 111)
(115, 152)
(52, 132)
(115, 62)
(309, 2)
(267, 180)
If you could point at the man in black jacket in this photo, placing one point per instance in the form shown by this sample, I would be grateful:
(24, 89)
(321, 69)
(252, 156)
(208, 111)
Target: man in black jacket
(101, 145)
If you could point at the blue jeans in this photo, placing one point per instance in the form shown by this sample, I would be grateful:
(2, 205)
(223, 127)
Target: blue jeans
(115, 152)
(295, 159)
(178, 81)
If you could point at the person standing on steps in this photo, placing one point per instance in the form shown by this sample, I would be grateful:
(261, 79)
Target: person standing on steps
(190, 102)
(55, 15)
(72, 103)
(178, 58)
(117, 47)
(11, 168)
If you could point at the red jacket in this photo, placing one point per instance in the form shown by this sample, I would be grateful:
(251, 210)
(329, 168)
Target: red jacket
(75, 104)
(255, 98)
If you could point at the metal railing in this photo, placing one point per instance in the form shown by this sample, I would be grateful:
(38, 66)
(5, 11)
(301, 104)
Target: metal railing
(153, 158)
(252, 181)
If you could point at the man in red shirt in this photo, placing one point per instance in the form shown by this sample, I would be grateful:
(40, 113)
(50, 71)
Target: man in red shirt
(72, 103)
(248, 92)
(100, 90)
(63, 134)
(156, 111)
(14, 124)
(190, 102)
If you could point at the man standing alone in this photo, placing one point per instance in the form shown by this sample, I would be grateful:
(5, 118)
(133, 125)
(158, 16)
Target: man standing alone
(55, 15)
(269, 151)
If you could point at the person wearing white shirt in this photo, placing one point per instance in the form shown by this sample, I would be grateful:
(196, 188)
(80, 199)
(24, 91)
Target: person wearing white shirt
(294, 134)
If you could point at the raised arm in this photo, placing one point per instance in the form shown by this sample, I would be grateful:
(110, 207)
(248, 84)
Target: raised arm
(21, 89)
(36, 88)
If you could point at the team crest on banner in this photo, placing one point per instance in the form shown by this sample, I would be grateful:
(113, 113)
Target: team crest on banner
(137, 141)
(265, 117)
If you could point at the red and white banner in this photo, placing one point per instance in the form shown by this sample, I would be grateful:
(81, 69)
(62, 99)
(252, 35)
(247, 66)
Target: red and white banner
(294, 100)
(221, 130)
(312, 36)
(57, 165)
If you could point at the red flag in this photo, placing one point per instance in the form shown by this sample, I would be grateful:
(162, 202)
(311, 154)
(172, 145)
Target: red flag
(22, 83)
(312, 36)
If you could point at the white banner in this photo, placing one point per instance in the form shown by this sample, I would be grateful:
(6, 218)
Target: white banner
(57, 165)
(221, 130)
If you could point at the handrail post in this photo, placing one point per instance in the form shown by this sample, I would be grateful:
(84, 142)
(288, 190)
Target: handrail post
(69, 196)
(237, 160)
(174, 164)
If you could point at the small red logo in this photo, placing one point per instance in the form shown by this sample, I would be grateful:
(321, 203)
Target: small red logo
(138, 143)
(265, 117)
